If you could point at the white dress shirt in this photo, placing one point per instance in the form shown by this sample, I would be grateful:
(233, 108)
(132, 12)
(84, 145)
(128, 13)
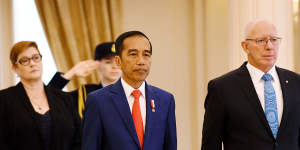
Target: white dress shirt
(128, 90)
(258, 82)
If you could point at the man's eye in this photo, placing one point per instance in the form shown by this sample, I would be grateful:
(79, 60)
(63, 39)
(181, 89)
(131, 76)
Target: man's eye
(261, 41)
(147, 54)
(273, 40)
(132, 54)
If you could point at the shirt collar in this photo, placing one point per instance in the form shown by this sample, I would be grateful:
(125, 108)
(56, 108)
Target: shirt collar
(256, 74)
(103, 85)
(129, 89)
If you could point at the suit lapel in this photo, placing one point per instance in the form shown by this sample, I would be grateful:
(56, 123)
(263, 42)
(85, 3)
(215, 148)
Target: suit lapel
(249, 90)
(24, 99)
(286, 92)
(150, 118)
(121, 103)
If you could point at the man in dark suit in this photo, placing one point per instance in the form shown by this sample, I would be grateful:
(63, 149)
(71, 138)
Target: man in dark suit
(255, 107)
(130, 114)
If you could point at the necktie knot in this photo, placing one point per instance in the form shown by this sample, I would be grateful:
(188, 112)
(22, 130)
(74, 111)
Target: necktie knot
(267, 77)
(136, 94)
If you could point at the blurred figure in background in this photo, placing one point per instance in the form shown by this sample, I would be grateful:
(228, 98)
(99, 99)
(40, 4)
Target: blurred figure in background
(104, 62)
(32, 115)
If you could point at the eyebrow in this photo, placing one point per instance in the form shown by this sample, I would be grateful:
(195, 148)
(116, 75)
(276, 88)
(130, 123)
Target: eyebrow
(130, 50)
(30, 56)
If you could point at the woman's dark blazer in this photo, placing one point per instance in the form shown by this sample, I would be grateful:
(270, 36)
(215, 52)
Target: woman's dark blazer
(19, 128)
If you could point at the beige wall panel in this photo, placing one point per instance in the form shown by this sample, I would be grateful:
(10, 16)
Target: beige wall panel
(216, 37)
(282, 17)
(200, 77)
(6, 40)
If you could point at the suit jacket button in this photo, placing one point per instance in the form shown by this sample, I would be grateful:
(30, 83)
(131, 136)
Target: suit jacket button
(276, 144)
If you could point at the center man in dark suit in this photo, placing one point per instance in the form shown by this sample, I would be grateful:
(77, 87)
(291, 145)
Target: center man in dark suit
(130, 114)
(257, 106)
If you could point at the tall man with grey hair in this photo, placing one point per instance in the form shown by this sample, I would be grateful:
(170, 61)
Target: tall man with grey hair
(255, 107)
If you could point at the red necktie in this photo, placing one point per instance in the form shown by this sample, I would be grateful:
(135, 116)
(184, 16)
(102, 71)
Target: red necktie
(137, 116)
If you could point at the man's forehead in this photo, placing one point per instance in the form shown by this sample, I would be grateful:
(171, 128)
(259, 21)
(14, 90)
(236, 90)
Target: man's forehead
(136, 42)
(135, 38)
(260, 29)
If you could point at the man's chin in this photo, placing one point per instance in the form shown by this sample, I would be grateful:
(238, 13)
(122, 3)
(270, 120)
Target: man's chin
(141, 78)
(269, 63)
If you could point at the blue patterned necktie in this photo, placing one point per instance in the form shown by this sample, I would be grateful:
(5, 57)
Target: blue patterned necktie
(270, 103)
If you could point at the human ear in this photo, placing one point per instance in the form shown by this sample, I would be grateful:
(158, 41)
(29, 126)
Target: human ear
(244, 45)
(118, 61)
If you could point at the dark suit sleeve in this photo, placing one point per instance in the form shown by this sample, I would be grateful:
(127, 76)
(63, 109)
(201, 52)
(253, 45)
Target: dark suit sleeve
(171, 135)
(213, 125)
(58, 81)
(92, 127)
(3, 121)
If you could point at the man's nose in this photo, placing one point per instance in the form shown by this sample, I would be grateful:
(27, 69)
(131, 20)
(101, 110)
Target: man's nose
(140, 60)
(269, 44)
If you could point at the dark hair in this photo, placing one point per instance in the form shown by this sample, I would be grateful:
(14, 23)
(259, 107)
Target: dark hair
(19, 48)
(123, 36)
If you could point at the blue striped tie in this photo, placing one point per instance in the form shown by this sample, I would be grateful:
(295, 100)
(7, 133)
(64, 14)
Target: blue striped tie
(270, 103)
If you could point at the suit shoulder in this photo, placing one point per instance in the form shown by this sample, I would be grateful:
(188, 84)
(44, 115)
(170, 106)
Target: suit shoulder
(101, 90)
(7, 97)
(290, 74)
(92, 87)
(8, 92)
(160, 91)
(227, 77)
(100, 94)
(94, 98)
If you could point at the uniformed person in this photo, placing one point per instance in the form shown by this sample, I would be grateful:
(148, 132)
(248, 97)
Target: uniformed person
(104, 62)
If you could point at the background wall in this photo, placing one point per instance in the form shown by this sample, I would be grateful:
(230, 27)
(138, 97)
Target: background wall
(193, 42)
(6, 39)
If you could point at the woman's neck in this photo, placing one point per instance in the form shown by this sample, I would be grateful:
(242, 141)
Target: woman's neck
(33, 86)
